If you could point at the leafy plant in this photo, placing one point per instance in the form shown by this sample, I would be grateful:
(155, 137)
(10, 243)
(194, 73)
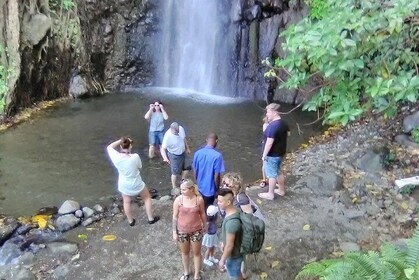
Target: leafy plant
(351, 57)
(407, 190)
(415, 134)
(4, 76)
(389, 263)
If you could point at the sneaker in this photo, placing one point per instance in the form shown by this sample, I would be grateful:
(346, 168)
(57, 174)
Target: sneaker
(214, 260)
(208, 262)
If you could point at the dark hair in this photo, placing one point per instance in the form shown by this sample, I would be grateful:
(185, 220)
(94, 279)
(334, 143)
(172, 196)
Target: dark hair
(126, 142)
(157, 101)
(224, 191)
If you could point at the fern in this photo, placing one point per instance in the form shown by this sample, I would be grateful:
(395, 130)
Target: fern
(390, 263)
(412, 257)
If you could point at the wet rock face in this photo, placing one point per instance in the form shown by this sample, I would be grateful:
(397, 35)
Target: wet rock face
(120, 44)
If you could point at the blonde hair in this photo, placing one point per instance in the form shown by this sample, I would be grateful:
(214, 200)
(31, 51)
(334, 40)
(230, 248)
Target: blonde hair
(188, 183)
(274, 107)
(236, 181)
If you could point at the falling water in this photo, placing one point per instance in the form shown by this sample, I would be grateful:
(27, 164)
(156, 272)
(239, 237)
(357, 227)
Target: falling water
(196, 47)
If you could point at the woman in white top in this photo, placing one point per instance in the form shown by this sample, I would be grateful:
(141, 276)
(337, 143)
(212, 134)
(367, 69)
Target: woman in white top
(156, 115)
(130, 182)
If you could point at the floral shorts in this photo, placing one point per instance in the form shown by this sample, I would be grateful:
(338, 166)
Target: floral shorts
(195, 236)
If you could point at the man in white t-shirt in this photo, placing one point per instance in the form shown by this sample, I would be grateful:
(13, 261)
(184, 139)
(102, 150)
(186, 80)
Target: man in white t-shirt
(173, 150)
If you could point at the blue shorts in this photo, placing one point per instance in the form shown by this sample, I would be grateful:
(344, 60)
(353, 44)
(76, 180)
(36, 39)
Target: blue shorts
(155, 137)
(177, 163)
(272, 166)
(233, 268)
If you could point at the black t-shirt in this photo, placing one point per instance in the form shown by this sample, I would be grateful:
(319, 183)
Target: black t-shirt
(278, 130)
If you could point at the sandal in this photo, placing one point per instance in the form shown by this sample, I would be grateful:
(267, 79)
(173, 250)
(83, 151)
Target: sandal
(184, 277)
(154, 220)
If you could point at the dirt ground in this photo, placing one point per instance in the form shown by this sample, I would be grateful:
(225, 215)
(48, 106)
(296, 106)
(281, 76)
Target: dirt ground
(148, 251)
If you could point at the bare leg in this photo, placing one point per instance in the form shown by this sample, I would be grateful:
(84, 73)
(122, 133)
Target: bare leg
(174, 181)
(127, 207)
(151, 151)
(184, 250)
(145, 195)
(197, 259)
(281, 185)
(207, 253)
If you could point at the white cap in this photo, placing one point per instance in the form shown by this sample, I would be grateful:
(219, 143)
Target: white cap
(212, 210)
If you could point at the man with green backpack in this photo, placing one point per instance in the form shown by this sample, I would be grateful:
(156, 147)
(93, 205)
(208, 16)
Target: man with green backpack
(231, 235)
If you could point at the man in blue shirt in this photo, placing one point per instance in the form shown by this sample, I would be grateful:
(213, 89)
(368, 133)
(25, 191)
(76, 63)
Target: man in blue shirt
(208, 164)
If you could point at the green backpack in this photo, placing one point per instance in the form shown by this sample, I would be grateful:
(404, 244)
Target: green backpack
(253, 233)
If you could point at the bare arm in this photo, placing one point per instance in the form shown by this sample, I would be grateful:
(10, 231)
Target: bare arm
(268, 146)
(149, 112)
(163, 153)
(165, 115)
(187, 146)
(217, 180)
(228, 247)
(114, 144)
(175, 215)
(203, 214)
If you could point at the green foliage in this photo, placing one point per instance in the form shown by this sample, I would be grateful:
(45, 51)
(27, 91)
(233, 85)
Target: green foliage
(318, 8)
(361, 56)
(407, 190)
(389, 263)
(415, 134)
(67, 28)
(4, 76)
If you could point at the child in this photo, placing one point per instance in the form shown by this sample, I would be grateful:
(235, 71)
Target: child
(210, 239)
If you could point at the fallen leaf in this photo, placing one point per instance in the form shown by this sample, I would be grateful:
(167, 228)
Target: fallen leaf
(41, 220)
(109, 237)
(306, 227)
(268, 248)
(404, 206)
(263, 275)
(82, 236)
(258, 201)
(275, 264)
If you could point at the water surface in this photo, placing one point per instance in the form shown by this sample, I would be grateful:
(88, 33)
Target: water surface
(61, 155)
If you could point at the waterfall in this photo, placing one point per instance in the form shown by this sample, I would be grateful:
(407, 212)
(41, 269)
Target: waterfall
(196, 47)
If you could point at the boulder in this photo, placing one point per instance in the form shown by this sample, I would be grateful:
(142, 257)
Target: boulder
(78, 214)
(99, 208)
(66, 222)
(69, 206)
(7, 228)
(36, 28)
(78, 87)
(87, 212)
(370, 162)
(10, 250)
(411, 122)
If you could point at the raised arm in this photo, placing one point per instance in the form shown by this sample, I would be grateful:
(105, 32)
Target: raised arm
(114, 144)
(149, 112)
(165, 115)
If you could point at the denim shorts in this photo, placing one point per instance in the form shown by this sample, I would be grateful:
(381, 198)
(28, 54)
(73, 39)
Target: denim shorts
(234, 268)
(177, 163)
(272, 166)
(155, 137)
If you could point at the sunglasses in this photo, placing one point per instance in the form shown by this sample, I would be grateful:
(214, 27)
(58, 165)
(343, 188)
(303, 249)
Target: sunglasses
(225, 185)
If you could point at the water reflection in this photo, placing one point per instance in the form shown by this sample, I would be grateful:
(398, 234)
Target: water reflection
(61, 155)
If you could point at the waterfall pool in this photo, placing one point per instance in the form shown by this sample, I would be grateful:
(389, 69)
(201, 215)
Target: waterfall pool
(60, 154)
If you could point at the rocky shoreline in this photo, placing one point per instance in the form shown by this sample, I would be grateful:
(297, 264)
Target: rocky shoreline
(341, 197)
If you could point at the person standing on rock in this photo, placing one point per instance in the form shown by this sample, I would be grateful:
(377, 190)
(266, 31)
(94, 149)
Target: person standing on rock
(130, 182)
(189, 225)
(173, 150)
(208, 164)
(156, 115)
(274, 150)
